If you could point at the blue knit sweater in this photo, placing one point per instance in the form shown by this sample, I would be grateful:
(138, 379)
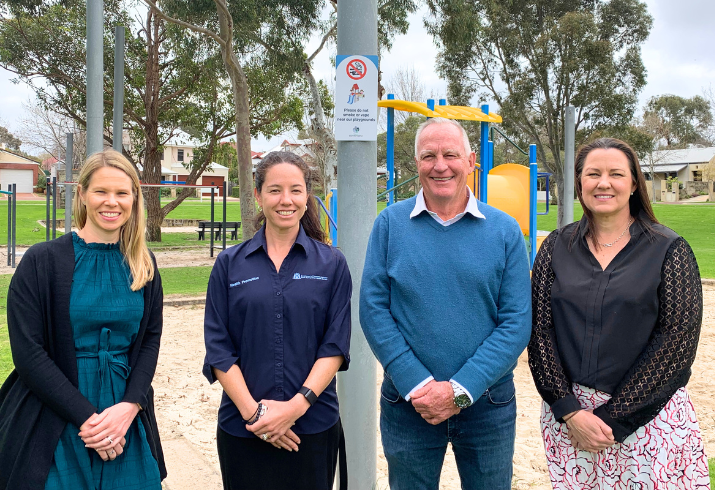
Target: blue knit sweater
(453, 302)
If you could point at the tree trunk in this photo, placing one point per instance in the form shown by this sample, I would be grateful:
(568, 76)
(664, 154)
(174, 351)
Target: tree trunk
(152, 160)
(239, 85)
(325, 136)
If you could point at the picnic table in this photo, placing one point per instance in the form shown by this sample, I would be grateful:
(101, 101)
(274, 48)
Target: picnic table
(231, 226)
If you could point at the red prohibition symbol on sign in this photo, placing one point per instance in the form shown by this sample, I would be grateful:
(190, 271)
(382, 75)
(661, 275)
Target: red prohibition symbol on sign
(356, 69)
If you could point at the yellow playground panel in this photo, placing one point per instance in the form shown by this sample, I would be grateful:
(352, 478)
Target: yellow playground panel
(508, 186)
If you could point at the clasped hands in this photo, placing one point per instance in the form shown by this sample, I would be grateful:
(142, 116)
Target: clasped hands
(435, 402)
(588, 432)
(277, 421)
(104, 432)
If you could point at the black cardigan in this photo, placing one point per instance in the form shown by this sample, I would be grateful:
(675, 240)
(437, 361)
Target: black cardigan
(40, 395)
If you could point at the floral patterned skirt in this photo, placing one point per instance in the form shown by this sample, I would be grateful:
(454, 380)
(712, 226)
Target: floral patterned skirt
(667, 453)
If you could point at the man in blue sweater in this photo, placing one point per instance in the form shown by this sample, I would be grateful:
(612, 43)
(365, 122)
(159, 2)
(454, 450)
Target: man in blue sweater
(445, 305)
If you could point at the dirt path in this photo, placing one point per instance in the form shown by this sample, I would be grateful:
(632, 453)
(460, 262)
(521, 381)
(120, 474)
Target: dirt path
(187, 404)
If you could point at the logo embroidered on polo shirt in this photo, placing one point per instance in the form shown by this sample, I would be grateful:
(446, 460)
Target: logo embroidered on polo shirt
(238, 283)
(301, 276)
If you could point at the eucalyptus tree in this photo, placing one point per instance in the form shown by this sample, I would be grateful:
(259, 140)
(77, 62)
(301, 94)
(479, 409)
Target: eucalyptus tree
(536, 57)
(679, 121)
(43, 43)
(255, 38)
(173, 81)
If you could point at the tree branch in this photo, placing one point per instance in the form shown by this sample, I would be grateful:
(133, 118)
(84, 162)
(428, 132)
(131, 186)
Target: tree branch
(193, 27)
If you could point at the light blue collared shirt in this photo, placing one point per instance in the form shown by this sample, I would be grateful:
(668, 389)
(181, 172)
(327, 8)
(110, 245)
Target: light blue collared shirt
(472, 208)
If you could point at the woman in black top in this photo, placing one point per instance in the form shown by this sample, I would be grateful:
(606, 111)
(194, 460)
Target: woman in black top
(617, 309)
(277, 330)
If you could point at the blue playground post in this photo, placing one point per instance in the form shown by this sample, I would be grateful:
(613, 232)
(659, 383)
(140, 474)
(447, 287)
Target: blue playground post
(484, 156)
(390, 151)
(442, 101)
(533, 175)
(334, 213)
(430, 105)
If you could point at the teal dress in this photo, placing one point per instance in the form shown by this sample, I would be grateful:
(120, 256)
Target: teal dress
(105, 315)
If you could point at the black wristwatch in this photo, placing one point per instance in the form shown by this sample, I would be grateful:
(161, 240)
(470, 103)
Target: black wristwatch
(308, 394)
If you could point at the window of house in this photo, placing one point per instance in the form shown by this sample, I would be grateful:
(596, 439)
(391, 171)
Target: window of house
(180, 155)
(161, 156)
(698, 175)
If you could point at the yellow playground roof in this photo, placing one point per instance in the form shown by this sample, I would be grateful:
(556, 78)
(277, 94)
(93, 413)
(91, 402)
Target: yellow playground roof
(447, 111)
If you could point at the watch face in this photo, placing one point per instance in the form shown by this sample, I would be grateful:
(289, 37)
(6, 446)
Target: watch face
(462, 401)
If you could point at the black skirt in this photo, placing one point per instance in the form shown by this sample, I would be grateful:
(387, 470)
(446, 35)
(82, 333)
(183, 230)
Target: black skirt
(252, 464)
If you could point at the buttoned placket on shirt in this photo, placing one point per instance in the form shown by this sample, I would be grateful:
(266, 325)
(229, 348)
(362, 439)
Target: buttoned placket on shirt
(278, 282)
(594, 306)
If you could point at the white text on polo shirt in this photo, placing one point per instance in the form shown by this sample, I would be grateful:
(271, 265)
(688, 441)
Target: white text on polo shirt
(301, 276)
(238, 283)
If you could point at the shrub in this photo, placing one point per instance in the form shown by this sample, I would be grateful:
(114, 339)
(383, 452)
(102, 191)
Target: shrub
(41, 180)
(235, 192)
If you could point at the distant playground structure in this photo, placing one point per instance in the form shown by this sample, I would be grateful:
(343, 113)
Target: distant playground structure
(509, 187)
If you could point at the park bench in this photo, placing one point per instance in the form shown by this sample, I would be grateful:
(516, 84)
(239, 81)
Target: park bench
(232, 226)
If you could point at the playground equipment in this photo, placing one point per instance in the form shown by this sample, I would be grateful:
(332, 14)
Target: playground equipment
(508, 187)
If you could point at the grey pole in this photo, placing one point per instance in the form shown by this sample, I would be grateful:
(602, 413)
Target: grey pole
(95, 68)
(14, 223)
(69, 156)
(54, 207)
(118, 122)
(570, 136)
(357, 188)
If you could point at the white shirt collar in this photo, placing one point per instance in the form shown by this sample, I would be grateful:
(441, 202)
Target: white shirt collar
(472, 208)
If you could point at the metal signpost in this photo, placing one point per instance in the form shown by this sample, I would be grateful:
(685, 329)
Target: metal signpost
(357, 186)
(569, 144)
(95, 69)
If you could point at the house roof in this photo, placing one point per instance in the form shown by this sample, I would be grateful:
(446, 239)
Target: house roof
(665, 168)
(16, 155)
(687, 155)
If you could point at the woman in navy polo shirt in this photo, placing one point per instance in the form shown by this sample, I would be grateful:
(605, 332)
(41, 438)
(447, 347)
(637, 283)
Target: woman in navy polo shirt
(277, 330)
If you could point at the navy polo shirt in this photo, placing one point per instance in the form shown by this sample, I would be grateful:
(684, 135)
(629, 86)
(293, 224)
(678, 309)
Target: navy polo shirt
(275, 325)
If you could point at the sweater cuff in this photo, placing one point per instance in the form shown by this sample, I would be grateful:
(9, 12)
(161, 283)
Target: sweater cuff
(565, 406)
(407, 372)
(620, 432)
(83, 412)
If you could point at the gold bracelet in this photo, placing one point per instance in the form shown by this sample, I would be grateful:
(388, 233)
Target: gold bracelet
(140, 407)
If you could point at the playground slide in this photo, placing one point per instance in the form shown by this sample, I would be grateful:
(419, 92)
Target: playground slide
(508, 190)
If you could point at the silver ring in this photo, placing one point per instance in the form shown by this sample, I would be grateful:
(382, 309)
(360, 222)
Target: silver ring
(264, 436)
(111, 451)
(110, 440)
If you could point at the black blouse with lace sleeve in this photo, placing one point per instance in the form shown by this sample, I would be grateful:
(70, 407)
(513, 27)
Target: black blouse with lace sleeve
(630, 330)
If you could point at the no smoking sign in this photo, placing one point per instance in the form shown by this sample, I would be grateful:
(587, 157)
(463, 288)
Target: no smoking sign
(356, 69)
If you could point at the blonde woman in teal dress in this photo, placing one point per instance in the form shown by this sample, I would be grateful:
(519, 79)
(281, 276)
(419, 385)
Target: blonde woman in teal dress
(83, 418)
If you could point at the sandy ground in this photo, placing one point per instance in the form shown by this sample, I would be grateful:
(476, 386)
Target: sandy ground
(187, 405)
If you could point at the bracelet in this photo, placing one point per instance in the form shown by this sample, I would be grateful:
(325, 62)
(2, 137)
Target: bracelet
(139, 406)
(262, 409)
(570, 416)
(252, 417)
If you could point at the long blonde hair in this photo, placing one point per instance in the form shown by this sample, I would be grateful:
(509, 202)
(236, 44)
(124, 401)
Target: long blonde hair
(132, 242)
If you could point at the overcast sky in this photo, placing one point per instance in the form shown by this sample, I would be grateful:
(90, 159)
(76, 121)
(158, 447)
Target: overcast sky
(679, 56)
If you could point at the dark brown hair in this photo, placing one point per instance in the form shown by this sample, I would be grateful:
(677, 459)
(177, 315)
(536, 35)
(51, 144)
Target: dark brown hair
(639, 203)
(311, 218)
